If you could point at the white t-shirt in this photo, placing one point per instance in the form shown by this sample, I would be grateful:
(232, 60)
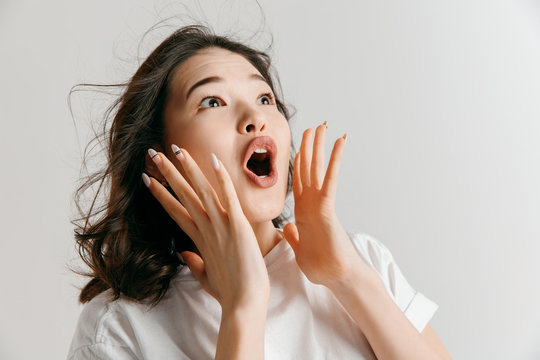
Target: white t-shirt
(304, 320)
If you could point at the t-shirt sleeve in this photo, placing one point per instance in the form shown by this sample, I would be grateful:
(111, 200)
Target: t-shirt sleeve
(103, 333)
(416, 307)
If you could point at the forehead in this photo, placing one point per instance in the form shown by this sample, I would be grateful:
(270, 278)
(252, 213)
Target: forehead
(211, 62)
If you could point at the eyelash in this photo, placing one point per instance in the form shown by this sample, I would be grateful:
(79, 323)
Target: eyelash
(269, 95)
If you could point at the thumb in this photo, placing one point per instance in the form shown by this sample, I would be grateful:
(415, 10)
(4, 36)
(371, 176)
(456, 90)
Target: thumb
(196, 265)
(291, 235)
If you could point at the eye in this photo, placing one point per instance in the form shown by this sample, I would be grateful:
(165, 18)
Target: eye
(267, 99)
(211, 101)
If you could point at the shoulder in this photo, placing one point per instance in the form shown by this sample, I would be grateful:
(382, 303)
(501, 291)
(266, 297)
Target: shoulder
(372, 250)
(125, 328)
(379, 257)
(92, 316)
(103, 329)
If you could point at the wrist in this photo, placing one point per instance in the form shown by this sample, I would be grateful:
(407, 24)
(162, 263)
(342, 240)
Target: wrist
(246, 309)
(359, 277)
(241, 333)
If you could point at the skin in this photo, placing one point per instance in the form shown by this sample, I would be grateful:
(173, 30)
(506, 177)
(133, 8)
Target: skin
(228, 216)
(227, 129)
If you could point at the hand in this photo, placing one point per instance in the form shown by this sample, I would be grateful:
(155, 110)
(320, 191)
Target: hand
(322, 248)
(232, 268)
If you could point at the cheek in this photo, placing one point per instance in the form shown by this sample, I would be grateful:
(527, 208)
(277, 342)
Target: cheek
(191, 137)
(201, 141)
(285, 141)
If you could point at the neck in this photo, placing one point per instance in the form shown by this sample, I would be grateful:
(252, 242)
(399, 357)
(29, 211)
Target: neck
(267, 236)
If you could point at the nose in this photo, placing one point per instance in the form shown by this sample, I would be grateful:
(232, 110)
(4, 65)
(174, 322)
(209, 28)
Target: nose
(252, 120)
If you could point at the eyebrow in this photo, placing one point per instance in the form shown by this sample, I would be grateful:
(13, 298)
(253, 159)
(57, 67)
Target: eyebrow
(213, 79)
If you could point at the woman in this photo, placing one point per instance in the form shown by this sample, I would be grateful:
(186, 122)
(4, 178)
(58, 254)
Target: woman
(199, 165)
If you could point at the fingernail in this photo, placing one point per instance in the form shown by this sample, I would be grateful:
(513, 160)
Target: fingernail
(181, 257)
(324, 123)
(146, 180)
(215, 163)
(345, 137)
(154, 155)
(176, 150)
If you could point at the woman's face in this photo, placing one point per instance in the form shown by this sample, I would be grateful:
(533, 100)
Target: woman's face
(222, 115)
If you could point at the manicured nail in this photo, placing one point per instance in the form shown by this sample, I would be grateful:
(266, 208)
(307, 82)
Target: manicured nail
(146, 180)
(215, 163)
(345, 137)
(154, 155)
(176, 150)
(324, 123)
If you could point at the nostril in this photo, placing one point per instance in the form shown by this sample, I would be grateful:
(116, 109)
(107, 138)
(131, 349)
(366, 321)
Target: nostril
(249, 127)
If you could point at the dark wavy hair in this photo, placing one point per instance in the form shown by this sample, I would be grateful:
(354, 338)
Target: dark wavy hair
(130, 242)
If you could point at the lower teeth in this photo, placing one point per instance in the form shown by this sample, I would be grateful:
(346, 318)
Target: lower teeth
(263, 176)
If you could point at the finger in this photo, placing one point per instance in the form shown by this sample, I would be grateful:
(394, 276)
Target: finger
(202, 187)
(305, 157)
(181, 188)
(297, 181)
(317, 163)
(196, 265)
(227, 192)
(330, 180)
(290, 231)
(175, 210)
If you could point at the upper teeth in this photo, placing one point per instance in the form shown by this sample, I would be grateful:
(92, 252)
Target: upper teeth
(260, 150)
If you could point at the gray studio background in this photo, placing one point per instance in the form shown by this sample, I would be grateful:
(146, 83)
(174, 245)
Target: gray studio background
(440, 100)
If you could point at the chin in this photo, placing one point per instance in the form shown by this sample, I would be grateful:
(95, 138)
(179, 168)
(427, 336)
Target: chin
(267, 212)
(262, 205)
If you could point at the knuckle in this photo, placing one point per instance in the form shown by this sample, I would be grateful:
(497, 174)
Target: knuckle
(165, 170)
(205, 195)
(157, 193)
(178, 218)
(227, 201)
(224, 217)
(222, 181)
(189, 167)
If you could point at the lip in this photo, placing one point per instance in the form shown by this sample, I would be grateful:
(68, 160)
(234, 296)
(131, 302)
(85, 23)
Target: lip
(265, 142)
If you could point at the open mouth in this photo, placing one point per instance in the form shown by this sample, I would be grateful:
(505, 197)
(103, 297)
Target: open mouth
(259, 161)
